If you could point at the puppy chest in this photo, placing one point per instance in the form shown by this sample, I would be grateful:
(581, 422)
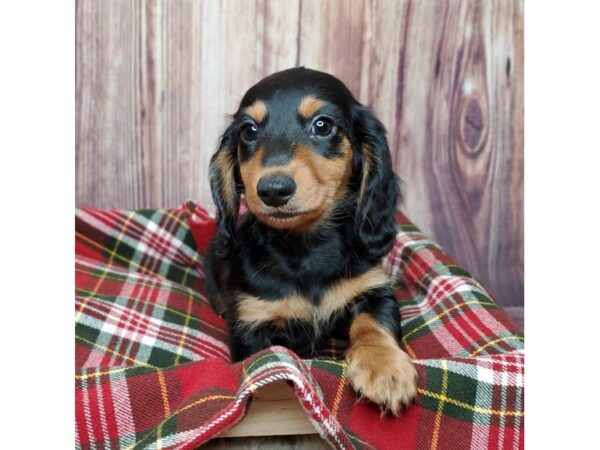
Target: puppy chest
(255, 311)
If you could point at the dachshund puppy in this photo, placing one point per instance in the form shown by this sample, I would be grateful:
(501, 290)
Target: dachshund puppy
(305, 263)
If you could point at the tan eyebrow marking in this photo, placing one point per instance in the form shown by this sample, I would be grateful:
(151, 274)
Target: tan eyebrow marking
(257, 110)
(309, 106)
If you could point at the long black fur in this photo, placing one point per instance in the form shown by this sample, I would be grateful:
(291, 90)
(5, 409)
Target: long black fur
(252, 258)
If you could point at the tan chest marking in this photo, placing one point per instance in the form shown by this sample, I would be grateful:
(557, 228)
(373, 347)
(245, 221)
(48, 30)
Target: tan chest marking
(256, 311)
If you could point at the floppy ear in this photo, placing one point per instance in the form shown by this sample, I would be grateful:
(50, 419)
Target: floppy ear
(378, 191)
(224, 186)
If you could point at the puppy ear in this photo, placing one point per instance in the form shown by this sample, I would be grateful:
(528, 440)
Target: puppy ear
(378, 190)
(223, 176)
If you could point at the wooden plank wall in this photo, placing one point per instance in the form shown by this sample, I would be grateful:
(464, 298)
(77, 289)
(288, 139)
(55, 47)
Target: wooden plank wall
(157, 79)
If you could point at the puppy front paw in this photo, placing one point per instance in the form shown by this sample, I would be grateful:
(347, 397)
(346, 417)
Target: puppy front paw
(383, 374)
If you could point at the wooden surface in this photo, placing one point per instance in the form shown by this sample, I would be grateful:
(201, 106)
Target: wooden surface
(156, 81)
(274, 411)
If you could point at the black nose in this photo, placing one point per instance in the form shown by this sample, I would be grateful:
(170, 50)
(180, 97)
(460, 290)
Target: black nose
(275, 190)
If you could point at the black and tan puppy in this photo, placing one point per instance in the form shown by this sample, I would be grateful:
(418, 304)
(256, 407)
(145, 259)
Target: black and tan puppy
(305, 263)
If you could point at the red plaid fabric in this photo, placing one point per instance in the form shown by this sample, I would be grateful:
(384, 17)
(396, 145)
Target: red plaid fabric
(152, 357)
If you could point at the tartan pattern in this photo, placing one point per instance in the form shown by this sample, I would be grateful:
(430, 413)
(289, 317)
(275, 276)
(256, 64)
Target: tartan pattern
(152, 357)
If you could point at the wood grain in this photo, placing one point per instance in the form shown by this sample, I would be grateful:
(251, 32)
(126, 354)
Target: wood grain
(156, 80)
(274, 411)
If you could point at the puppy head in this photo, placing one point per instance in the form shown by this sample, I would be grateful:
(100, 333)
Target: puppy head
(299, 147)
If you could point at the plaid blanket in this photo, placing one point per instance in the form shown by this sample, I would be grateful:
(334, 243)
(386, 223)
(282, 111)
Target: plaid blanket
(152, 366)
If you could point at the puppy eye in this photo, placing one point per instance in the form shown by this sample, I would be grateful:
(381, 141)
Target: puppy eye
(322, 127)
(250, 132)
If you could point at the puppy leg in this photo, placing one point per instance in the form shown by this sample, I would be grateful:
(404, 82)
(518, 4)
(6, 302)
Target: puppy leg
(377, 368)
(245, 341)
(215, 276)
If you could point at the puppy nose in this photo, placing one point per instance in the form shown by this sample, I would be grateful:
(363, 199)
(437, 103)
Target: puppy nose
(275, 190)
